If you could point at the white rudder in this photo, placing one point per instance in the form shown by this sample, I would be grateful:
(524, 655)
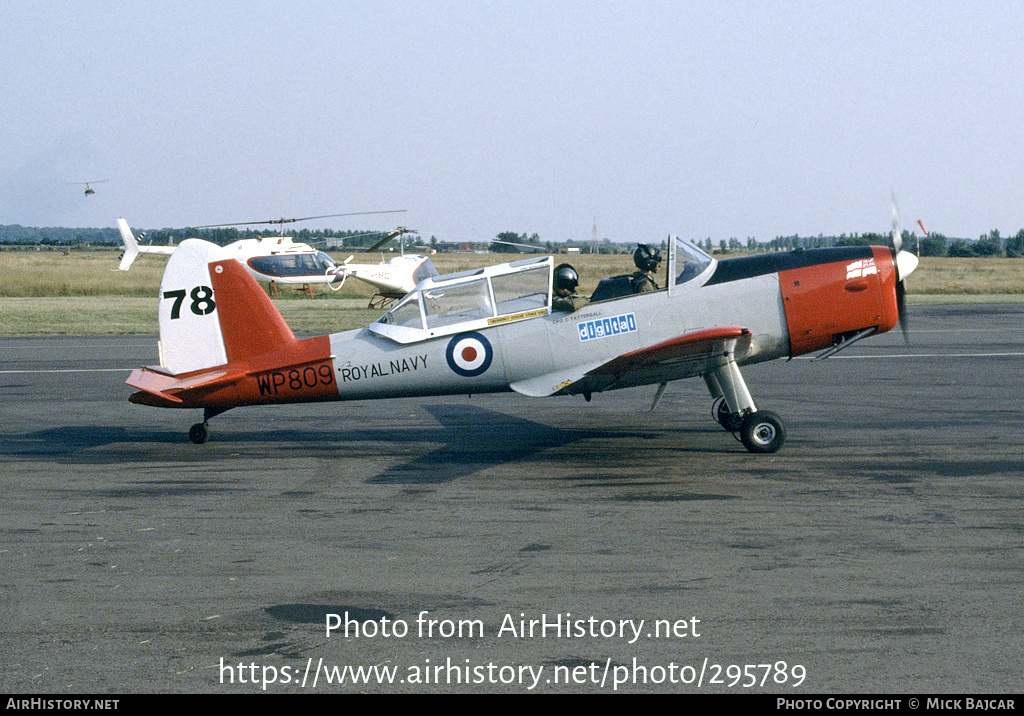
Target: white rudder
(190, 330)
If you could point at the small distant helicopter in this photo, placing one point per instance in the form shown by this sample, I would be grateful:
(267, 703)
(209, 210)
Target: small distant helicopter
(88, 189)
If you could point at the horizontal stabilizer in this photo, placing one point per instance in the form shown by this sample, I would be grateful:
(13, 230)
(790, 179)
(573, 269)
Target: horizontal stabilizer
(163, 389)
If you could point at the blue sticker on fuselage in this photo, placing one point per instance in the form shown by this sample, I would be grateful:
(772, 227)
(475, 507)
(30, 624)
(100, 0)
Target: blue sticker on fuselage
(605, 327)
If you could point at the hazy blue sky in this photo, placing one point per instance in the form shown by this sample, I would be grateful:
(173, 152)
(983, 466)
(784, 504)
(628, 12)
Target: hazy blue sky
(720, 119)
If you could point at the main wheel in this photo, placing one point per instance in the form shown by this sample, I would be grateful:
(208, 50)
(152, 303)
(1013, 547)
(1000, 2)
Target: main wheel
(199, 433)
(762, 431)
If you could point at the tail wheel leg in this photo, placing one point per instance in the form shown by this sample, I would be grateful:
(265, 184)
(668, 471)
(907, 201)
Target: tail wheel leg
(200, 432)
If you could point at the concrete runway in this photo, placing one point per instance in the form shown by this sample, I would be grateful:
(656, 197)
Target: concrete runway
(880, 551)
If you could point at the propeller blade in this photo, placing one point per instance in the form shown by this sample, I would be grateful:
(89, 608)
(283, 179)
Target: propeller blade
(897, 234)
(905, 263)
(901, 308)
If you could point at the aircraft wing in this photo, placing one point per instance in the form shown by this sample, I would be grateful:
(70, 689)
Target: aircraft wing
(690, 353)
(551, 383)
(684, 356)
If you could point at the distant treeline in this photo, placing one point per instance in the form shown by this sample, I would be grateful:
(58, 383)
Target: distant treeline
(933, 244)
(56, 235)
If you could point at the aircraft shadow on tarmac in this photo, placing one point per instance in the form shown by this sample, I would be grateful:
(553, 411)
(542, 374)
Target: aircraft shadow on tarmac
(476, 439)
(468, 439)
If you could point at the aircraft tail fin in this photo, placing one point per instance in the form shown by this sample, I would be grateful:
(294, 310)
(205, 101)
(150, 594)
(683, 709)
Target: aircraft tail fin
(212, 312)
(131, 246)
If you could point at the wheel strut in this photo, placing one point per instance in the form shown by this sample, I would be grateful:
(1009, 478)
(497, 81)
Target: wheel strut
(760, 431)
(200, 432)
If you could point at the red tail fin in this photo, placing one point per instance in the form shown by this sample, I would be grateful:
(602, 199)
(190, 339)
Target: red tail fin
(249, 321)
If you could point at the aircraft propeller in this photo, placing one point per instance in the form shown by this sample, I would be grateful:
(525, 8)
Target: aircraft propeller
(905, 263)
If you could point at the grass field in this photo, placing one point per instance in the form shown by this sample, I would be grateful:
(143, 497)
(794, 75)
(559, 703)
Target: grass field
(82, 293)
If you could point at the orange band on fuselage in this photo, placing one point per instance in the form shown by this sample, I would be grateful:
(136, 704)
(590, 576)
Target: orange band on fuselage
(828, 299)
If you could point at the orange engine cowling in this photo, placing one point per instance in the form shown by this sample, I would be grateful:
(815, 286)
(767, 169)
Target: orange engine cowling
(826, 302)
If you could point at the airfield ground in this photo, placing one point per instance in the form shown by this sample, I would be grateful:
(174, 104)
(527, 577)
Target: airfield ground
(878, 552)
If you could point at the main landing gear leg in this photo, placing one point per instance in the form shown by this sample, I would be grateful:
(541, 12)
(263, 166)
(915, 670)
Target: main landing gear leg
(199, 432)
(760, 431)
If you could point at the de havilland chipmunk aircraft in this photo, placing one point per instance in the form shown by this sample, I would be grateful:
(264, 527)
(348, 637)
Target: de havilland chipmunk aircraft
(223, 343)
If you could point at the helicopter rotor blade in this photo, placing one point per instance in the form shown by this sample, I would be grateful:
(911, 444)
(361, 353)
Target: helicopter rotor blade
(304, 218)
(397, 233)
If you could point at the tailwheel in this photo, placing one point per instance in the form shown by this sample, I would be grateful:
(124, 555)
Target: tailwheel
(762, 431)
(199, 433)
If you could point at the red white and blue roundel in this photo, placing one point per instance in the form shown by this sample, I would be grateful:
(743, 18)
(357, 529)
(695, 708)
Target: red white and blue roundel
(469, 354)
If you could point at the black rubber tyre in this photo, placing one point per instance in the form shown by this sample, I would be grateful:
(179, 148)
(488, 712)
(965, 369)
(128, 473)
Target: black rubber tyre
(763, 432)
(198, 433)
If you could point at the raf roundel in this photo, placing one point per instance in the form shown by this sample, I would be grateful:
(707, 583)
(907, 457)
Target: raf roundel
(469, 354)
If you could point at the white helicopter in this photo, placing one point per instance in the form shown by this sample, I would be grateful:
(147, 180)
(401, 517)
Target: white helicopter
(393, 279)
(272, 259)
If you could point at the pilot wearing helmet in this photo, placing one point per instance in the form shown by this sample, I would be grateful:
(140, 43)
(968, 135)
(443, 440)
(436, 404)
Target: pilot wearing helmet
(646, 259)
(566, 281)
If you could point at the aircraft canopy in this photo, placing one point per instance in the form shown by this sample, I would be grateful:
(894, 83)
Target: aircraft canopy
(470, 300)
(687, 261)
